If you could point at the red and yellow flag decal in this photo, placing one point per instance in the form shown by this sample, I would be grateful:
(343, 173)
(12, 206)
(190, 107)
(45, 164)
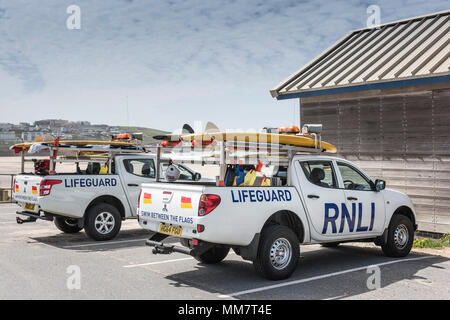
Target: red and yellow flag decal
(17, 188)
(147, 198)
(186, 203)
(34, 190)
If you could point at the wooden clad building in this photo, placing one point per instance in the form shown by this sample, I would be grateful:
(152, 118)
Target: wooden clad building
(383, 97)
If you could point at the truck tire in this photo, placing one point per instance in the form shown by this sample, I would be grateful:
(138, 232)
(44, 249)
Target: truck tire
(278, 253)
(67, 225)
(400, 237)
(330, 244)
(103, 222)
(213, 255)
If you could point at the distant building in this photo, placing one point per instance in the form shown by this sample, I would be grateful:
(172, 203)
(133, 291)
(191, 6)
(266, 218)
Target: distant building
(99, 127)
(29, 136)
(6, 126)
(51, 123)
(8, 136)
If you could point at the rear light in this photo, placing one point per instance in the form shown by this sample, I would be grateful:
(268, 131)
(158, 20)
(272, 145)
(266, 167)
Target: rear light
(139, 199)
(200, 228)
(46, 186)
(16, 187)
(208, 202)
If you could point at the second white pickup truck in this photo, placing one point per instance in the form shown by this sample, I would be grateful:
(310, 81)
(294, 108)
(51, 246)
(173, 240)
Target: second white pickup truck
(87, 199)
(324, 200)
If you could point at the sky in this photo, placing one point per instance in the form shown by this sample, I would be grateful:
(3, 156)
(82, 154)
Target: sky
(170, 61)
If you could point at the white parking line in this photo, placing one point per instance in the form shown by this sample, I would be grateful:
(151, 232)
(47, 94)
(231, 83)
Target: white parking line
(156, 262)
(285, 284)
(162, 262)
(102, 243)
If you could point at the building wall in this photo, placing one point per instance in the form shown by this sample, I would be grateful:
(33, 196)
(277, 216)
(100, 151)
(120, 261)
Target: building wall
(401, 137)
(7, 136)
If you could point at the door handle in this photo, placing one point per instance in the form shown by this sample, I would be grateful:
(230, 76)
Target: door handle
(133, 185)
(352, 198)
(313, 196)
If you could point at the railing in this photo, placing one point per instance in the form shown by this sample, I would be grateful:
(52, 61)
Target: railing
(5, 192)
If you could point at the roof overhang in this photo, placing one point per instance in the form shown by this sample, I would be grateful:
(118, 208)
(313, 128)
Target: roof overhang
(397, 54)
(366, 87)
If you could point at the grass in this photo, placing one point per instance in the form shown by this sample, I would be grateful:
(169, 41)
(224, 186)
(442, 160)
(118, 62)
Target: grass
(433, 243)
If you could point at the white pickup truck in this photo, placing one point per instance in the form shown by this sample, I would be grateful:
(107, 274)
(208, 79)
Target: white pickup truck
(324, 200)
(86, 199)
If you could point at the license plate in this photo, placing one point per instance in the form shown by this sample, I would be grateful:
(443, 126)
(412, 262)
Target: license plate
(171, 230)
(29, 206)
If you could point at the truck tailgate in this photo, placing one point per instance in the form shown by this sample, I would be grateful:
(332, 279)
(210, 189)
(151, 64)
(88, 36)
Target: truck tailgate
(170, 208)
(26, 191)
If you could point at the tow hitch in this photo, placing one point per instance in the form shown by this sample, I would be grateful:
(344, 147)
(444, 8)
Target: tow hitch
(164, 248)
(21, 221)
(31, 217)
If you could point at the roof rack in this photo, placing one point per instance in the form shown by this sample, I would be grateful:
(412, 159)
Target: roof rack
(83, 154)
(234, 152)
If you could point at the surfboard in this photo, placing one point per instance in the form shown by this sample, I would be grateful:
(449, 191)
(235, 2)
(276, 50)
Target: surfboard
(260, 137)
(211, 127)
(172, 137)
(187, 129)
(78, 143)
(67, 143)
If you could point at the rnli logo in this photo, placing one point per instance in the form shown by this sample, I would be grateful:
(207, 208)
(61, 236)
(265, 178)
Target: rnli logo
(335, 218)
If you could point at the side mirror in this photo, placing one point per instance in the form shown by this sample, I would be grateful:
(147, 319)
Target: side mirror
(380, 185)
(197, 176)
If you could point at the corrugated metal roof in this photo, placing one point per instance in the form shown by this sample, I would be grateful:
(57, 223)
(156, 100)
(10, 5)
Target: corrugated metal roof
(401, 50)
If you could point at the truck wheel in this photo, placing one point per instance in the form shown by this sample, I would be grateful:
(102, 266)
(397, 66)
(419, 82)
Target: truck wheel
(213, 255)
(102, 222)
(400, 237)
(278, 253)
(67, 225)
(330, 244)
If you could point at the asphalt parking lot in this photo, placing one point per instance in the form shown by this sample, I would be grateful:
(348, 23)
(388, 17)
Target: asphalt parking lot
(36, 261)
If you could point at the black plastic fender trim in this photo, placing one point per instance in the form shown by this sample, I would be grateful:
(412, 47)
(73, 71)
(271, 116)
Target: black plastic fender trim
(250, 252)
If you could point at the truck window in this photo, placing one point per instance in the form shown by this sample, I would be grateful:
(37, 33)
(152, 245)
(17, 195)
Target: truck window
(353, 180)
(185, 174)
(320, 173)
(140, 167)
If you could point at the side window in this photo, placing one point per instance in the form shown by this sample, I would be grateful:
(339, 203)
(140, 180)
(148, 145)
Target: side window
(140, 167)
(184, 173)
(320, 173)
(353, 180)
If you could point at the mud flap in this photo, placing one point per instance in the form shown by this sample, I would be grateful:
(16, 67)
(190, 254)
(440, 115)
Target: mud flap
(250, 252)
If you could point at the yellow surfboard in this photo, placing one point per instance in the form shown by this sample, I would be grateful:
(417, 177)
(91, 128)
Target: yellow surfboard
(26, 145)
(260, 137)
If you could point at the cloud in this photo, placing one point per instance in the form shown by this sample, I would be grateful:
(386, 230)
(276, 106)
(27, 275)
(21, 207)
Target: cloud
(198, 59)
